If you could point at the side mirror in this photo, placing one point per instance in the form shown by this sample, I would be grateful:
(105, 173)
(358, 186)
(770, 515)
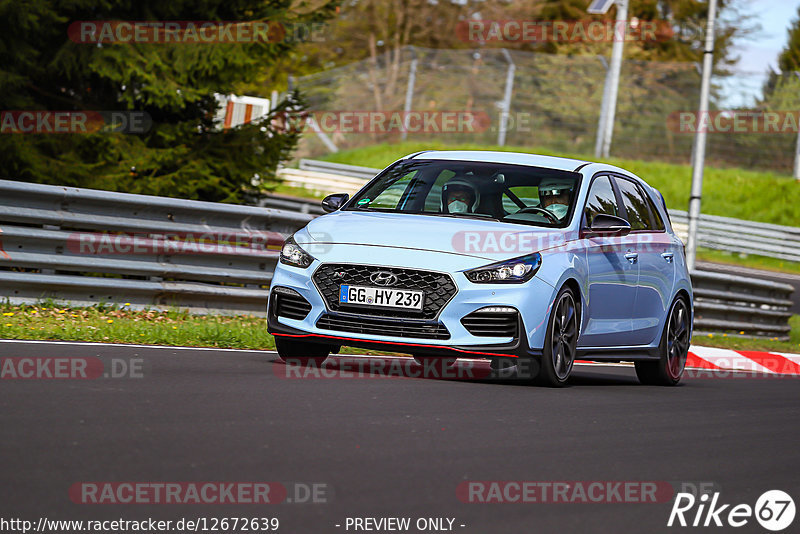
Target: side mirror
(334, 202)
(609, 225)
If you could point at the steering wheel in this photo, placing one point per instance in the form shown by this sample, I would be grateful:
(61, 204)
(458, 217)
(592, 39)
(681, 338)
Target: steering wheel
(546, 213)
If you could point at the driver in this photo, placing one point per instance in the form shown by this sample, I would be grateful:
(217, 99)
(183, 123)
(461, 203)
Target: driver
(554, 196)
(459, 196)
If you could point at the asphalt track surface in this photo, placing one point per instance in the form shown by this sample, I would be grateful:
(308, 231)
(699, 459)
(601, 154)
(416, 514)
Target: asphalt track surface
(385, 447)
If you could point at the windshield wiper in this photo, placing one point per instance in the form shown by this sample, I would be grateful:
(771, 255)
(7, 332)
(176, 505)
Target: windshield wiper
(478, 216)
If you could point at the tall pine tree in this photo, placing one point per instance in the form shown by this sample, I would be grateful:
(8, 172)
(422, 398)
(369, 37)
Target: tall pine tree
(183, 154)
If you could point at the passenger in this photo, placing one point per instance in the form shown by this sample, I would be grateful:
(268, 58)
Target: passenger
(554, 196)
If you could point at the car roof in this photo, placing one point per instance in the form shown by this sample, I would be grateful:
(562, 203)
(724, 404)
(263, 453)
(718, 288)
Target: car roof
(512, 158)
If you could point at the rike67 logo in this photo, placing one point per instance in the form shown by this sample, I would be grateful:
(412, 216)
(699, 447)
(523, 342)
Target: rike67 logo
(774, 510)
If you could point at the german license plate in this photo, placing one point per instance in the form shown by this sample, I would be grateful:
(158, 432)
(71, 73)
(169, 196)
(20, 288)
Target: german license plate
(409, 299)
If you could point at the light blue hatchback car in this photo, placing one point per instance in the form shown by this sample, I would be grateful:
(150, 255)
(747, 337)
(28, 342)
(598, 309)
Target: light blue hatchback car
(505, 256)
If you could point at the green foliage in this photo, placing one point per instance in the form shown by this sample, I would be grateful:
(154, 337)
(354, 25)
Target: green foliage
(777, 87)
(368, 28)
(184, 154)
(789, 59)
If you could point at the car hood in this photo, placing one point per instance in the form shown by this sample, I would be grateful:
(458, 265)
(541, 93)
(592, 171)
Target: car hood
(492, 240)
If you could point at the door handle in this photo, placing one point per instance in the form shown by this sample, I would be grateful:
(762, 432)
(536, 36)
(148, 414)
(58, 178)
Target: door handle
(668, 256)
(632, 256)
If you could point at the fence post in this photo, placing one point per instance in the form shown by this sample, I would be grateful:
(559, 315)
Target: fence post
(505, 106)
(699, 152)
(601, 122)
(412, 77)
(616, 66)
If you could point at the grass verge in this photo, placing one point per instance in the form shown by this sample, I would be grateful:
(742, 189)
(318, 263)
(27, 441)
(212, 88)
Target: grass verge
(744, 194)
(748, 260)
(50, 321)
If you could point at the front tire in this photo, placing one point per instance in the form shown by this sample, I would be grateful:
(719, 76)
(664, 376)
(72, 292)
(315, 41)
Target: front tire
(673, 349)
(301, 352)
(560, 342)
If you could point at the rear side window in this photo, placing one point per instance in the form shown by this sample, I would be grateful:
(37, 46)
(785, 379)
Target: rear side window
(601, 199)
(636, 205)
(657, 220)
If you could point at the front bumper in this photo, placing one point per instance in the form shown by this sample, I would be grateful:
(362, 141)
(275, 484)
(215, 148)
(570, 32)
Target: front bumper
(531, 300)
(517, 348)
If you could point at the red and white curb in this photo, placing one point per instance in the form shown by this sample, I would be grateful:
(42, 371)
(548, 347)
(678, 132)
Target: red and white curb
(775, 363)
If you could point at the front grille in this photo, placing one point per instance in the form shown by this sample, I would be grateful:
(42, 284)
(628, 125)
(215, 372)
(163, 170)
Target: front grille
(291, 306)
(492, 324)
(439, 288)
(359, 324)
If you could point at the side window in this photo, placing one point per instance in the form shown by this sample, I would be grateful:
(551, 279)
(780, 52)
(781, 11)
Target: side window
(390, 196)
(659, 222)
(635, 204)
(601, 199)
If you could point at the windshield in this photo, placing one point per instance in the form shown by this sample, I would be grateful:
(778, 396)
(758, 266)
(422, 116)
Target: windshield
(509, 193)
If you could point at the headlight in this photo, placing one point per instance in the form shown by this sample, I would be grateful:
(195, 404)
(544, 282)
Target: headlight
(292, 254)
(515, 271)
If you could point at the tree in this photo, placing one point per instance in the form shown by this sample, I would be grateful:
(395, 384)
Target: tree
(184, 154)
(789, 58)
(780, 89)
(364, 28)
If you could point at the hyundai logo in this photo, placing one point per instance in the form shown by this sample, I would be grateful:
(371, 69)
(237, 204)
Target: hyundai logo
(383, 278)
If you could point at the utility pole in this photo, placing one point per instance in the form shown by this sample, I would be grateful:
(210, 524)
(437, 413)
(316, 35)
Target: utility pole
(611, 87)
(412, 78)
(616, 67)
(699, 149)
(505, 106)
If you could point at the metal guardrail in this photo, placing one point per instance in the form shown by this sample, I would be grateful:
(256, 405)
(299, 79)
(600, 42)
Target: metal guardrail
(85, 247)
(354, 171)
(740, 305)
(741, 236)
(301, 205)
